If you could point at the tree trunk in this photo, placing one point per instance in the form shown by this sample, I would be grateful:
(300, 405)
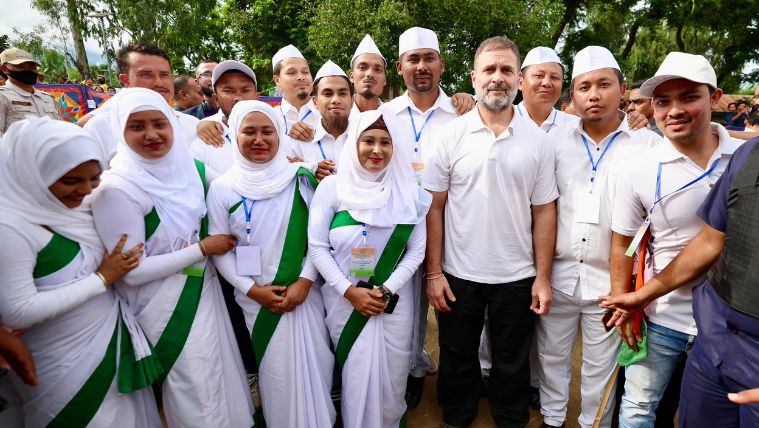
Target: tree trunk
(679, 38)
(630, 40)
(569, 13)
(75, 25)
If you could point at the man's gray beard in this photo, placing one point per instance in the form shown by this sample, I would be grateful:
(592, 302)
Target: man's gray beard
(493, 104)
(336, 124)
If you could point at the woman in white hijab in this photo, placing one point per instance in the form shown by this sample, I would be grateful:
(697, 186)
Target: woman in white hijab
(154, 192)
(366, 235)
(263, 201)
(94, 365)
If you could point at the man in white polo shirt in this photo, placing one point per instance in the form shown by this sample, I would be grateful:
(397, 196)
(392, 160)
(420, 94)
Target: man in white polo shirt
(491, 174)
(586, 152)
(662, 192)
(232, 81)
(540, 83)
(293, 76)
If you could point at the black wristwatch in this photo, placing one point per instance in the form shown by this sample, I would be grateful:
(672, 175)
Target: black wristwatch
(386, 294)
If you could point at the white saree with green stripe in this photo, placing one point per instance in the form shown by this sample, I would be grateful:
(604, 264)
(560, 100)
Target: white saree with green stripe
(292, 350)
(374, 352)
(93, 362)
(179, 305)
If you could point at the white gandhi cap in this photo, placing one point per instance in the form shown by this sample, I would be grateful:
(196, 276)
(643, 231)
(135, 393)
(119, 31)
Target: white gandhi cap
(417, 38)
(288, 51)
(228, 65)
(680, 65)
(367, 46)
(329, 69)
(541, 55)
(593, 58)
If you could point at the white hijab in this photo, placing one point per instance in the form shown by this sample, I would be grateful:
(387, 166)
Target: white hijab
(172, 181)
(258, 181)
(386, 198)
(34, 154)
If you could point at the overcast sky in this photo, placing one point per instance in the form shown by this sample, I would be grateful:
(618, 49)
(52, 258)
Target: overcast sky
(21, 15)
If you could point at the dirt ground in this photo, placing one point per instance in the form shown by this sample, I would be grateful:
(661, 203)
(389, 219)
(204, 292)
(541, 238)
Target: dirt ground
(429, 414)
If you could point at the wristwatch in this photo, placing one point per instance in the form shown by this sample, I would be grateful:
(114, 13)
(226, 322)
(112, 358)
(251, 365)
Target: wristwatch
(386, 294)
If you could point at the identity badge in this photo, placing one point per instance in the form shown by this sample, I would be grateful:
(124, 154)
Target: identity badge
(588, 206)
(362, 262)
(248, 260)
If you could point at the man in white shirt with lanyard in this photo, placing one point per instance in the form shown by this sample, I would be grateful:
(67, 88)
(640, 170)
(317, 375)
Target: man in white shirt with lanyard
(490, 240)
(661, 192)
(293, 76)
(586, 152)
(232, 81)
(332, 97)
(421, 112)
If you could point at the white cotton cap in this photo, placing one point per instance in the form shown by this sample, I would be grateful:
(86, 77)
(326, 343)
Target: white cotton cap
(680, 65)
(288, 51)
(541, 55)
(417, 38)
(593, 58)
(367, 46)
(228, 65)
(329, 69)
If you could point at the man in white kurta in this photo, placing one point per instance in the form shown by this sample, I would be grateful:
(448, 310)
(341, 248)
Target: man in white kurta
(585, 153)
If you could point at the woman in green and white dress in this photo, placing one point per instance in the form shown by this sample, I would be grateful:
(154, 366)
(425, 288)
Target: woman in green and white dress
(154, 192)
(366, 236)
(263, 201)
(94, 365)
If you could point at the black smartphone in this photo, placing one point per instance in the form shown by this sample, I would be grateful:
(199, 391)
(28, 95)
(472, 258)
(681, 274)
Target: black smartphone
(390, 307)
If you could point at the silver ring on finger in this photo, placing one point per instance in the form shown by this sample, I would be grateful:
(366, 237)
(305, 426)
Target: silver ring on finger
(125, 256)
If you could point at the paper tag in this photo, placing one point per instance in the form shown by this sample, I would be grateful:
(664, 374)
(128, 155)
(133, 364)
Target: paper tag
(638, 237)
(418, 170)
(196, 269)
(91, 104)
(588, 206)
(248, 260)
(362, 262)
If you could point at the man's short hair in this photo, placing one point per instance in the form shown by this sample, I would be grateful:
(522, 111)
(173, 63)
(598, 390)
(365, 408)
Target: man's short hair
(277, 68)
(498, 43)
(316, 85)
(181, 82)
(122, 55)
(637, 84)
(565, 98)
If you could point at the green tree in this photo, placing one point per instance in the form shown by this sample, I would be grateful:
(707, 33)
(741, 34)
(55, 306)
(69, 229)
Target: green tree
(53, 64)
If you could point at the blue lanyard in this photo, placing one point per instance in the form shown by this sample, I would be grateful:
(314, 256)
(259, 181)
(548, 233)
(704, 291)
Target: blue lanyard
(657, 195)
(248, 216)
(287, 131)
(594, 165)
(363, 234)
(418, 135)
(228, 139)
(519, 109)
(321, 149)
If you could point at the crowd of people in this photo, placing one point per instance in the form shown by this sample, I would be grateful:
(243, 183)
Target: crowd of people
(229, 263)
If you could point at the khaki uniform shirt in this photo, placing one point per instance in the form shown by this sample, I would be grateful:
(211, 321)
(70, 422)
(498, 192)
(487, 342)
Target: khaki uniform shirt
(17, 104)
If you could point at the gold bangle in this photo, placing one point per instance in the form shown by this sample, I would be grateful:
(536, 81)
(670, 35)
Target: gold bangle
(203, 249)
(102, 278)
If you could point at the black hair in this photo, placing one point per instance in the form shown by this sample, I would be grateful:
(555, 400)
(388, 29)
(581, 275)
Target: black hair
(122, 55)
(316, 85)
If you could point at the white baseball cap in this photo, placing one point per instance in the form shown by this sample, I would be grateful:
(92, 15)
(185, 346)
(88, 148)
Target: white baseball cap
(367, 46)
(288, 51)
(593, 58)
(541, 55)
(417, 38)
(329, 69)
(16, 56)
(680, 65)
(228, 65)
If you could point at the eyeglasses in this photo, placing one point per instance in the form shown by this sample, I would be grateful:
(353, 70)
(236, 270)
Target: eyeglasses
(206, 75)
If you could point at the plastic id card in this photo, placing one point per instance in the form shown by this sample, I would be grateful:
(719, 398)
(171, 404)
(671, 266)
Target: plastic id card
(638, 237)
(362, 262)
(588, 206)
(248, 260)
(418, 170)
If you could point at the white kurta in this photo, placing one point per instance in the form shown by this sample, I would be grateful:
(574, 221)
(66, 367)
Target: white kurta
(324, 146)
(375, 371)
(219, 159)
(74, 325)
(295, 374)
(206, 385)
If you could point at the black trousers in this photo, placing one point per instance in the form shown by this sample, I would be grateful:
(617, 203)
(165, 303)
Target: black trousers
(512, 324)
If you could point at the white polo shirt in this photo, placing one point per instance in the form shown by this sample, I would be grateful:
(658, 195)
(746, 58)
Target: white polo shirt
(674, 222)
(583, 235)
(291, 115)
(554, 120)
(492, 182)
(418, 127)
(219, 159)
(324, 146)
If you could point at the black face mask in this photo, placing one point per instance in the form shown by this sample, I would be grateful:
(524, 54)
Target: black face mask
(27, 77)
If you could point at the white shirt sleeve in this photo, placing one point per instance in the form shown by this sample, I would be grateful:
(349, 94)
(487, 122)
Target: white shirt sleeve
(437, 169)
(411, 260)
(323, 208)
(21, 304)
(627, 212)
(115, 213)
(544, 189)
